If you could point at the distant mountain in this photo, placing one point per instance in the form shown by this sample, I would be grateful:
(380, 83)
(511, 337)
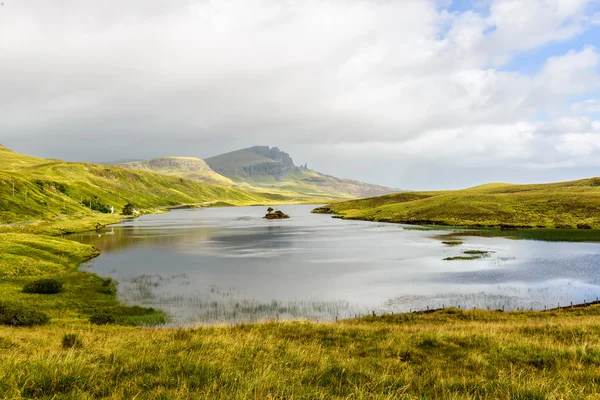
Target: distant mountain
(271, 168)
(33, 189)
(185, 167)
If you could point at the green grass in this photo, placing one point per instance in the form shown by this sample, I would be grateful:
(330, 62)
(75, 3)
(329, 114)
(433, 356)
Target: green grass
(548, 235)
(462, 258)
(570, 206)
(26, 259)
(452, 243)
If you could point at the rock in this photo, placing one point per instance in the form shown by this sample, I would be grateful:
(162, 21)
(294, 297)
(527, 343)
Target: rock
(276, 215)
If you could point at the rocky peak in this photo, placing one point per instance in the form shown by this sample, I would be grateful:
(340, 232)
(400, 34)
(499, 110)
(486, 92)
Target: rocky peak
(273, 153)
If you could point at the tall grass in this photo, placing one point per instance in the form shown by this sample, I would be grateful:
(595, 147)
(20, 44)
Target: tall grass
(449, 354)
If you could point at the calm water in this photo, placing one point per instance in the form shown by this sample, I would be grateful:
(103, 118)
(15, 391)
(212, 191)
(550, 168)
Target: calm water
(231, 265)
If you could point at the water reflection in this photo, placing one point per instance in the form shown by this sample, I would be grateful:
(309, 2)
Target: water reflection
(230, 264)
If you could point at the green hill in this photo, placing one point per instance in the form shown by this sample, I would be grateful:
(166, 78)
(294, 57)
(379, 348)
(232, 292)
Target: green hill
(39, 189)
(186, 167)
(557, 205)
(273, 169)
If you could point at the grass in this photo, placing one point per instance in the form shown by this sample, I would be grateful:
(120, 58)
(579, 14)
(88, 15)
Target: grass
(445, 354)
(27, 259)
(462, 258)
(452, 243)
(557, 211)
(548, 235)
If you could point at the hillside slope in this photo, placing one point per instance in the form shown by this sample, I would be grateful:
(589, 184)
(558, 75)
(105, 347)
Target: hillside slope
(185, 167)
(32, 189)
(557, 205)
(271, 168)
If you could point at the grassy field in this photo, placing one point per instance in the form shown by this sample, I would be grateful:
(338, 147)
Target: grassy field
(447, 354)
(567, 205)
(26, 258)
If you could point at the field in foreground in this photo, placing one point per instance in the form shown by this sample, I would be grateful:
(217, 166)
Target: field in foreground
(565, 205)
(447, 354)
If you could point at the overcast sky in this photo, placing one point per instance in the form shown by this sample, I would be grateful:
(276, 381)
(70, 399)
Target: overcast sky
(408, 93)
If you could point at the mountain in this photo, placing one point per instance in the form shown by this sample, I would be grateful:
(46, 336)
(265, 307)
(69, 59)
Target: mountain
(187, 167)
(41, 189)
(273, 169)
(574, 204)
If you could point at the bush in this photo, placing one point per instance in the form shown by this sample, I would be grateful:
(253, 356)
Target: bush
(128, 315)
(95, 204)
(71, 340)
(128, 209)
(109, 286)
(102, 318)
(16, 315)
(44, 286)
(583, 226)
(270, 209)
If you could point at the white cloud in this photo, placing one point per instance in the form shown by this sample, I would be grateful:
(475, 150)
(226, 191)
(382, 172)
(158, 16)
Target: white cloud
(587, 106)
(402, 75)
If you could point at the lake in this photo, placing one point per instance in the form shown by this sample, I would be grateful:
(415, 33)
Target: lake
(231, 265)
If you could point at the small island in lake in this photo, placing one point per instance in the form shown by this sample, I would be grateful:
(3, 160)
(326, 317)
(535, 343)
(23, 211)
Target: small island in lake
(272, 214)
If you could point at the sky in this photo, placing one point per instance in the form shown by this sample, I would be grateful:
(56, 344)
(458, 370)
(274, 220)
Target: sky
(413, 94)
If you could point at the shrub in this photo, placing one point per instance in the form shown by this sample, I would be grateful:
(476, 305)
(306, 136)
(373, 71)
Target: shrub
(109, 286)
(583, 226)
(95, 204)
(128, 315)
(71, 340)
(270, 209)
(44, 286)
(128, 209)
(102, 318)
(16, 315)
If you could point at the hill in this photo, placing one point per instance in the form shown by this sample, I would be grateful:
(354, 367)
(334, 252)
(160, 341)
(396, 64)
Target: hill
(186, 167)
(39, 189)
(557, 205)
(271, 168)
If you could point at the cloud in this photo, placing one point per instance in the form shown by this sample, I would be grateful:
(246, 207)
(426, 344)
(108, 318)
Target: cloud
(587, 106)
(107, 79)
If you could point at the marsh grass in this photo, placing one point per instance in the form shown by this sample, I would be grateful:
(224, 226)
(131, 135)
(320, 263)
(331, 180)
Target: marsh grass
(444, 354)
(462, 258)
(226, 305)
(548, 235)
(452, 243)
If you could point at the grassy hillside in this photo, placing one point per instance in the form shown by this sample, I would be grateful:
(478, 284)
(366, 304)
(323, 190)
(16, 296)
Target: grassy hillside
(34, 189)
(557, 205)
(185, 167)
(271, 169)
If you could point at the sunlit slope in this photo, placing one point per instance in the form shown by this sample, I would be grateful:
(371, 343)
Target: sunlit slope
(272, 169)
(555, 205)
(55, 188)
(186, 167)
(11, 160)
